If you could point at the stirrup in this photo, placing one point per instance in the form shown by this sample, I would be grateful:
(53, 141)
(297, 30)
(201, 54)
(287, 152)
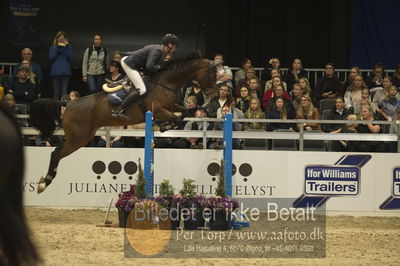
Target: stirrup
(119, 114)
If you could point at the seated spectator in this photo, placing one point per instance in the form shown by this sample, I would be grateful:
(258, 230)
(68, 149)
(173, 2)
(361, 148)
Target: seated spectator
(273, 64)
(224, 73)
(10, 102)
(27, 54)
(374, 81)
(22, 88)
(241, 73)
(396, 77)
(295, 96)
(270, 94)
(244, 100)
(202, 98)
(190, 107)
(197, 143)
(339, 112)
(295, 72)
(375, 109)
(115, 141)
(217, 143)
(31, 76)
(280, 111)
(250, 74)
(366, 97)
(391, 106)
(254, 112)
(382, 93)
(117, 55)
(274, 73)
(328, 86)
(236, 113)
(352, 96)
(255, 88)
(307, 111)
(305, 86)
(354, 71)
(369, 146)
(345, 145)
(218, 102)
(74, 95)
(115, 72)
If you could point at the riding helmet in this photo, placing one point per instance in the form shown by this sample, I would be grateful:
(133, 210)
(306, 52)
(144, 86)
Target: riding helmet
(170, 38)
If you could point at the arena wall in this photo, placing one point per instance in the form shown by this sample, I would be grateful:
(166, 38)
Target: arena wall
(92, 176)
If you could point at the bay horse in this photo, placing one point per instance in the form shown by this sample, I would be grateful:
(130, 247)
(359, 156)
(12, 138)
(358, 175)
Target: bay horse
(16, 247)
(83, 117)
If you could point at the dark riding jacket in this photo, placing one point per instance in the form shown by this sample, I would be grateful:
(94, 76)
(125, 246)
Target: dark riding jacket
(148, 58)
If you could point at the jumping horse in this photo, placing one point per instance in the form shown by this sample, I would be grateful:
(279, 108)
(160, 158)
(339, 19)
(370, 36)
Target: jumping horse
(83, 117)
(16, 247)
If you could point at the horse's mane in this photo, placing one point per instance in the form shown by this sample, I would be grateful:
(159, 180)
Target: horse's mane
(176, 63)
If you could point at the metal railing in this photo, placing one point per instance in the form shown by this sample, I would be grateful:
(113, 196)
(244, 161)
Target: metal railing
(312, 73)
(301, 135)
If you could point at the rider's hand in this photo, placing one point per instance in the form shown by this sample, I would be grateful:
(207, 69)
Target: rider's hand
(84, 79)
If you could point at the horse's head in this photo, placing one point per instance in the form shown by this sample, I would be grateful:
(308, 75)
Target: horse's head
(206, 75)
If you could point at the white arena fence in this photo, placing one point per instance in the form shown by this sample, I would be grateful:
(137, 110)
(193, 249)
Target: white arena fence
(300, 136)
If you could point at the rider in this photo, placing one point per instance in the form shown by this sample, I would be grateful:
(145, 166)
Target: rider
(148, 58)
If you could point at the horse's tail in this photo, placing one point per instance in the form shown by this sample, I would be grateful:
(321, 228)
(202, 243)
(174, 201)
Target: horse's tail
(45, 115)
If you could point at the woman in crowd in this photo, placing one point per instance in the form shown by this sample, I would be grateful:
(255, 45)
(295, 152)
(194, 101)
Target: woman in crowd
(338, 112)
(60, 54)
(32, 76)
(295, 72)
(307, 111)
(305, 86)
(348, 128)
(354, 71)
(243, 101)
(250, 74)
(280, 112)
(241, 73)
(369, 146)
(115, 72)
(95, 64)
(254, 112)
(381, 94)
(295, 95)
(269, 94)
(202, 98)
(352, 96)
(274, 73)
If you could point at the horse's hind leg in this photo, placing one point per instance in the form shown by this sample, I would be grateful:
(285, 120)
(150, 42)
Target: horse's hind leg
(60, 152)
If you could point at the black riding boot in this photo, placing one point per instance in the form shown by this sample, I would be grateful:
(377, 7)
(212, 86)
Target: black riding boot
(119, 111)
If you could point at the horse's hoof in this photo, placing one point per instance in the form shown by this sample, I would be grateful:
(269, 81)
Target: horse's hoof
(41, 186)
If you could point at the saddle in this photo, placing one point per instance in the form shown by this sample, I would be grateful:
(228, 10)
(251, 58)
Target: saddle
(119, 90)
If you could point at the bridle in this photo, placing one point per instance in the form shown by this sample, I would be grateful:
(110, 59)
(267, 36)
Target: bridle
(211, 70)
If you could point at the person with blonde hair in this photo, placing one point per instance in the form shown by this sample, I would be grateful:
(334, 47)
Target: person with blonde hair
(254, 112)
(307, 111)
(60, 54)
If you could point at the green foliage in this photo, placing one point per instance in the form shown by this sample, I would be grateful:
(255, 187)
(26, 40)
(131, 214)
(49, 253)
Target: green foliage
(166, 189)
(140, 183)
(220, 190)
(188, 188)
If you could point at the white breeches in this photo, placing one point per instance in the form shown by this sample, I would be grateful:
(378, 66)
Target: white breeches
(134, 76)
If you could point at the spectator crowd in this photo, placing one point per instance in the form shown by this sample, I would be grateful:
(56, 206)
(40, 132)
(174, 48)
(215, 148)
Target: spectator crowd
(242, 93)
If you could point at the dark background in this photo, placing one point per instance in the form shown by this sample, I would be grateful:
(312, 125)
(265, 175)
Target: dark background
(346, 32)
